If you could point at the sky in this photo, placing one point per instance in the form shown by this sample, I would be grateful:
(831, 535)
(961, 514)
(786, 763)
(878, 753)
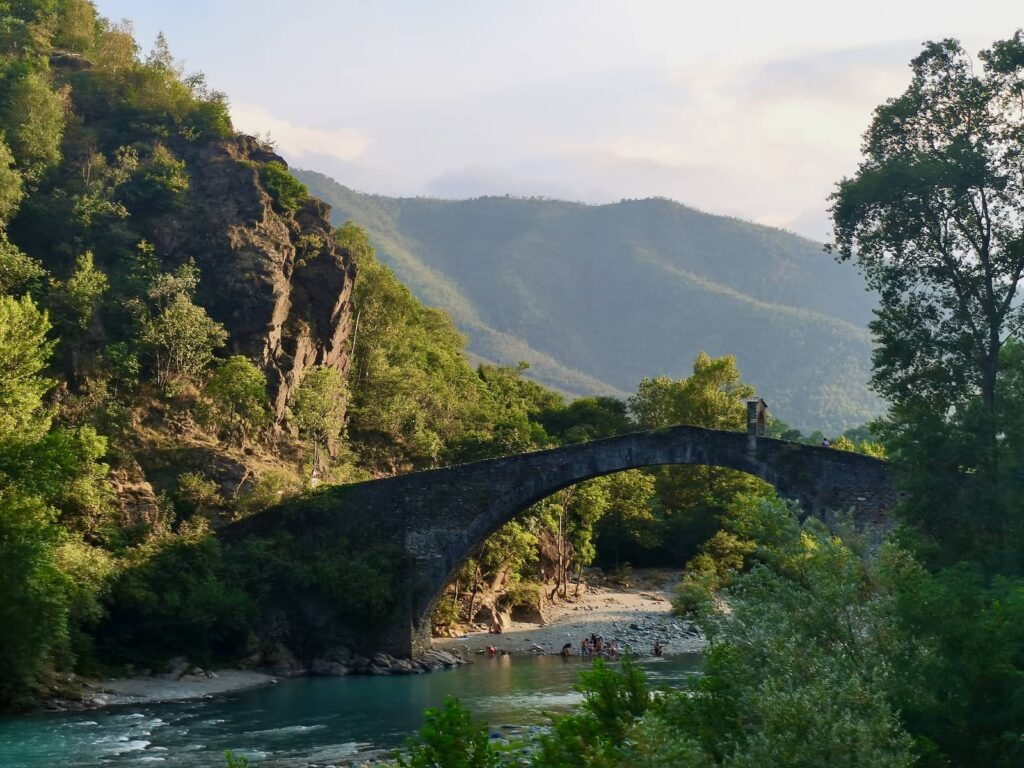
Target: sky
(743, 108)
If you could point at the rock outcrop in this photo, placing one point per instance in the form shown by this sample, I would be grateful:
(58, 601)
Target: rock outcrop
(275, 278)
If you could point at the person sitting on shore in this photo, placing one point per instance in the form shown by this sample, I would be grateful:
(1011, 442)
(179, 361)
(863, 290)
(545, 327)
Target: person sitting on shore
(495, 628)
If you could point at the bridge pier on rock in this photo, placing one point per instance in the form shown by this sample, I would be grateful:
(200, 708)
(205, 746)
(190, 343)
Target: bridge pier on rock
(439, 516)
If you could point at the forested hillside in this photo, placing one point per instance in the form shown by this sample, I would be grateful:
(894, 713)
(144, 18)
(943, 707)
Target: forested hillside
(597, 297)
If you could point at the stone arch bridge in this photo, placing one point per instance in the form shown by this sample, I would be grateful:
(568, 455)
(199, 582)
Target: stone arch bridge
(438, 516)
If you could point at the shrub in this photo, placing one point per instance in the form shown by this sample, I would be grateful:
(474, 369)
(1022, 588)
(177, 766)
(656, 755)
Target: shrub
(237, 398)
(285, 190)
(450, 739)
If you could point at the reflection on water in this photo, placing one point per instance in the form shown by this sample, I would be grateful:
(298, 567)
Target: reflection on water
(292, 724)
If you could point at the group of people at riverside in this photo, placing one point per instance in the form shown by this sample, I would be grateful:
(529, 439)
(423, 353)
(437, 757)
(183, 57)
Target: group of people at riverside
(593, 647)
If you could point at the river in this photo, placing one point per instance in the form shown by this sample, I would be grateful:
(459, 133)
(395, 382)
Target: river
(299, 722)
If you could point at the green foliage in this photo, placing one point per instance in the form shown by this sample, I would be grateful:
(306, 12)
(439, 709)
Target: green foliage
(159, 183)
(199, 495)
(287, 192)
(33, 117)
(318, 409)
(693, 499)
(176, 593)
(83, 291)
(237, 396)
(232, 761)
(77, 27)
(409, 373)
(11, 191)
(32, 613)
(449, 739)
(613, 700)
(932, 218)
(16, 269)
(181, 337)
(587, 418)
(271, 488)
(46, 474)
(24, 351)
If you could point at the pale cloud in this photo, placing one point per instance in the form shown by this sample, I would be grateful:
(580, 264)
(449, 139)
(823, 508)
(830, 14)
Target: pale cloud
(299, 141)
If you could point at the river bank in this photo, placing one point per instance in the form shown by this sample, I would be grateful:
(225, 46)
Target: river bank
(634, 615)
(88, 694)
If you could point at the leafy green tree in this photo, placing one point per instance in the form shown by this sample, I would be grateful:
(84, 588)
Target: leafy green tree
(318, 410)
(77, 27)
(16, 269)
(693, 498)
(45, 474)
(181, 337)
(83, 291)
(587, 418)
(413, 391)
(449, 739)
(629, 520)
(24, 353)
(933, 218)
(237, 394)
(33, 118)
(11, 191)
(613, 701)
(32, 614)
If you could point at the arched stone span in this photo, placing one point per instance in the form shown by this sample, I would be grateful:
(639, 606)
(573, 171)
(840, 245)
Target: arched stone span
(439, 516)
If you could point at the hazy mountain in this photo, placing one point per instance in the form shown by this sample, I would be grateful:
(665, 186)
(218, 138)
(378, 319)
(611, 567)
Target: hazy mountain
(595, 297)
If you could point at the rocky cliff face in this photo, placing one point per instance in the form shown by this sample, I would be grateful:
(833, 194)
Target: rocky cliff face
(274, 278)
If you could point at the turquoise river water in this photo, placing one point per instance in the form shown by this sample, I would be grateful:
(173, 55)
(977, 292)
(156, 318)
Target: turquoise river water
(303, 721)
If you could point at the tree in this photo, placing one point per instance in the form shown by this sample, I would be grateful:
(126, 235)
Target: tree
(24, 352)
(629, 515)
(934, 218)
(77, 27)
(693, 498)
(181, 337)
(83, 291)
(319, 410)
(450, 739)
(34, 122)
(16, 269)
(11, 190)
(415, 398)
(237, 394)
(32, 611)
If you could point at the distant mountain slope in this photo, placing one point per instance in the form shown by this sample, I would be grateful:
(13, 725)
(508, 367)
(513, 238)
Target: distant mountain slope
(596, 297)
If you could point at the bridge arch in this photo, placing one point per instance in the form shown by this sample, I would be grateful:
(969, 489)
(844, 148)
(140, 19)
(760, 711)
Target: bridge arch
(439, 516)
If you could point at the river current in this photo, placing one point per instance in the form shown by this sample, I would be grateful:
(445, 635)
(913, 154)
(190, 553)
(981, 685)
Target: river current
(303, 721)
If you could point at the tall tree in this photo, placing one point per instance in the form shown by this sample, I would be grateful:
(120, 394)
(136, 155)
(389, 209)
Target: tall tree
(934, 218)
(693, 498)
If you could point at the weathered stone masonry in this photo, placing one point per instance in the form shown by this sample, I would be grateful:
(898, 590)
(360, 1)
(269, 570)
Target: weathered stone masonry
(439, 516)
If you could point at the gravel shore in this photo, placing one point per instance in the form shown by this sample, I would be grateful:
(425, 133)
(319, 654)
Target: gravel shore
(634, 616)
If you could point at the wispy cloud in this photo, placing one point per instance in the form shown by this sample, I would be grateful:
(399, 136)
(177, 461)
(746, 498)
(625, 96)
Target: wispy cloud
(299, 140)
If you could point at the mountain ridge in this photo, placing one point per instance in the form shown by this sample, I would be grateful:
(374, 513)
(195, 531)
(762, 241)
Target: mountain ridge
(595, 297)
